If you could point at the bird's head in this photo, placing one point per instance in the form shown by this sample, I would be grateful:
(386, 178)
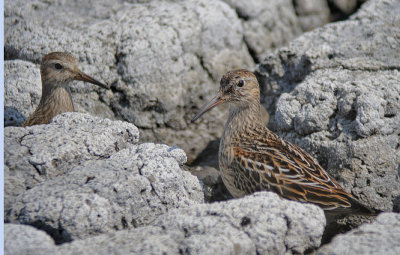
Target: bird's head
(238, 87)
(59, 68)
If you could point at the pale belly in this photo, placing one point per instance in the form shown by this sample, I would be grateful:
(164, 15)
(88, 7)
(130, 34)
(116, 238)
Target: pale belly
(227, 173)
(229, 184)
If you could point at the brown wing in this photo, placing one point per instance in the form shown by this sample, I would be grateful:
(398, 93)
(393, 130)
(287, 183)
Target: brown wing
(269, 163)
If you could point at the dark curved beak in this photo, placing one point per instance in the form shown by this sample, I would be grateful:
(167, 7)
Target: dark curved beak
(84, 77)
(214, 102)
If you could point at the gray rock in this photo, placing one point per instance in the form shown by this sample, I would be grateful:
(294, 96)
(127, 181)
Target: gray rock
(162, 58)
(267, 25)
(22, 90)
(143, 240)
(35, 154)
(128, 189)
(23, 239)
(338, 89)
(311, 13)
(262, 223)
(380, 237)
(345, 6)
(12, 117)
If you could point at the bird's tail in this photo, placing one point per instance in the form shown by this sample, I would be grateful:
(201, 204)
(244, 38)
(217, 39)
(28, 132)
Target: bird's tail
(356, 208)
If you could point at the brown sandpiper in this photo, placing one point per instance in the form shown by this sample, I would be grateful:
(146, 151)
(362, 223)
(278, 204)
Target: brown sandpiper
(57, 70)
(253, 158)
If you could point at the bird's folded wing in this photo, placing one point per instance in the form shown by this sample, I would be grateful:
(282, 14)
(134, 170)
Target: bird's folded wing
(288, 170)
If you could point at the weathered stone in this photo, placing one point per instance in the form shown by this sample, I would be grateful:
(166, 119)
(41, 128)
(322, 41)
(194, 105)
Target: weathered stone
(267, 25)
(333, 91)
(161, 58)
(262, 223)
(380, 237)
(312, 13)
(338, 90)
(37, 153)
(22, 90)
(143, 240)
(12, 117)
(263, 220)
(127, 189)
(345, 6)
(26, 240)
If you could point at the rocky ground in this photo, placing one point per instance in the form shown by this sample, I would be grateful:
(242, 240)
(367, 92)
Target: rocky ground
(339, 98)
(101, 185)
(162, 59)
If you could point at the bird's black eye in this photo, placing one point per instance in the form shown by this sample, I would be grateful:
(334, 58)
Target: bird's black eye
(240, 83)
(58, 66)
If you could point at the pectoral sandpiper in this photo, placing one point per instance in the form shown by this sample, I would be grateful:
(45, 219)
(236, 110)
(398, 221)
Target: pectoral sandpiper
(57, 70)
(252, 158)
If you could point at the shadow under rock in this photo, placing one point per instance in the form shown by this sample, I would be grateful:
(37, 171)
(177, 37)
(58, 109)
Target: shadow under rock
(59, 235)
(340, 224)
(396, 203)
(206, 168)
(208, 156)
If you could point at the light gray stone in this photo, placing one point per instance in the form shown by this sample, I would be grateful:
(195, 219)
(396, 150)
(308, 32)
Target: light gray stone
(125, 190)
(338, 89)
(162, 58)
(267, 25)
(312, 13)
(346, 6)
(26, 240)
(380, 237)
(143, 240)
(22, 90)
(262, 223)
(37, 153)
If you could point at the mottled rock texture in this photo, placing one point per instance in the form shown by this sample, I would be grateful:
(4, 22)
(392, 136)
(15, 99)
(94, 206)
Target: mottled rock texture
(26, 240)
(163, 59)
(333, 91)
(84, 176)
(22, 90)
(262, 224)
(312, 13)
(38, 153)
(267, 24)
(338, 91)
(380, 237)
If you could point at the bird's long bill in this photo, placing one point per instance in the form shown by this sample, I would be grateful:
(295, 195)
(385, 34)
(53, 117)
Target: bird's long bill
(84, 77)
(214, 102)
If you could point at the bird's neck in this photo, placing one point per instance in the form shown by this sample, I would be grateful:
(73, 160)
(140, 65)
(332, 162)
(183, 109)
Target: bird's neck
(56, 98)
(242, 118)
